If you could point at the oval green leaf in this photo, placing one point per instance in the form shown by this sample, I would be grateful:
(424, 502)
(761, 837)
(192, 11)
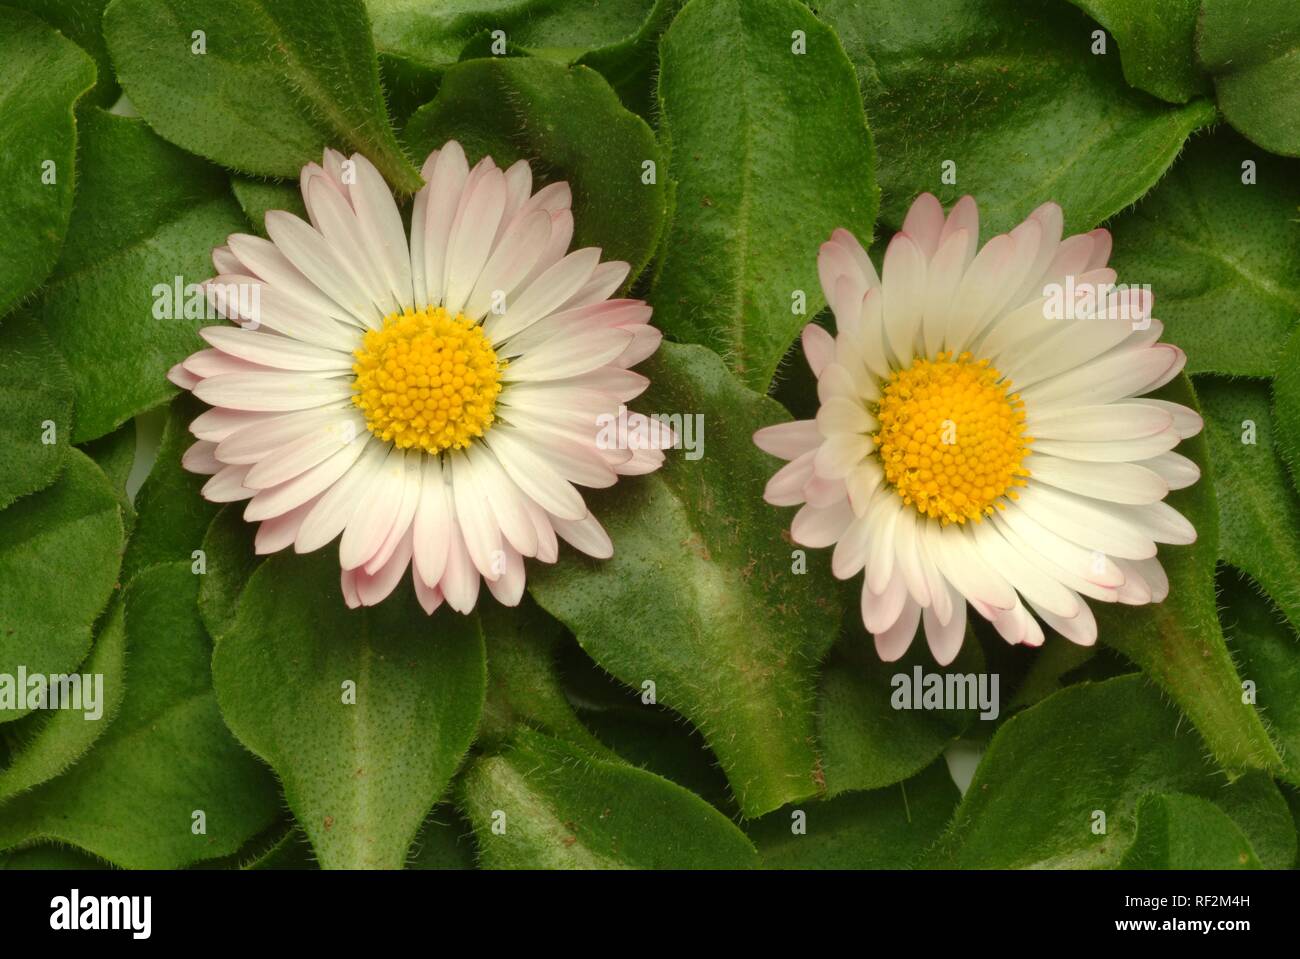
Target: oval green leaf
(364, 714)
(35, 407)
(1026, 808)
(1003, 99)
(1253, 49)
(544, 804)
(134, 799)
(1178, 642)
(260, 86)
(703, 597)
(1218, 242)
(1157, 41)
(769, 152)
(64, 542)
(1259, 511)
(1177, 831)
(146, 219)
(42, 75)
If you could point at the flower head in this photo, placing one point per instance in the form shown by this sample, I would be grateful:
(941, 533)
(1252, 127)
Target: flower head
(983, 435)
(434, 403)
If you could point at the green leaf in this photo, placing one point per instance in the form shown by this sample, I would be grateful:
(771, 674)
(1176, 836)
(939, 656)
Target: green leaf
(230, 561)
(41, 76)
(436, 34)
(81, 21)
(173, 516)
(276, 84)
(769, 152)
(1046, 674)
(132, 799)
(569, 123)
(1177, 831)
(145, 214)
(700, 597)
(114, 453)
(866, 740)
(883, 829)
(256, 197)
(54, 740)
(1010, 92)
(1259, 512)
(564, 809)
(35, 406)
(1221, 256)
(1268, 652)
(1096, 748)
(49, 857)
(1178, 642)
(523, 683)
(1156, 40)
(619, 39)
(60, 550)
(1286, 407)
(1253, 49)
(364, 714)
(631, 65)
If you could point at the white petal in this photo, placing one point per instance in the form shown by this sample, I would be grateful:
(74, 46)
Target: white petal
(820, 527)
(446, 186)
(505, 501)
(903, 285)
(788, 440)
(272, 391)
(1113, 421)
(544, 294)
(944, 639)
(586, 535)
(818, 347)
(381, 228)
(880, 611)
(1104, 380)
(839, 455)
(785, 488)
(402, 525)
(279, 352)
(296, 491)
(376, 512)
(259, 438)
(331, 513)
(1091, 524)
(477, 524)
(295, 458)
(432, 524)
(1175, 469)
(535, 476)
(893, 642)
(1114, 482)
(472, 234)
(317, 260)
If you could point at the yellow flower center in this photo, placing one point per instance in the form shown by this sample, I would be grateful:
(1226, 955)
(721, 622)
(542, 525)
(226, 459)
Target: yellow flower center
(951, 437)
(427, 379)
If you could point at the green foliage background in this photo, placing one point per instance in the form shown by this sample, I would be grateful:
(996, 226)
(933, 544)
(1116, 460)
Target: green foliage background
(767, 123)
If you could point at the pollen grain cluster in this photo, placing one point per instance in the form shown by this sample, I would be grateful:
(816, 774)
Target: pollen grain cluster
(951, 437)
(427, 380)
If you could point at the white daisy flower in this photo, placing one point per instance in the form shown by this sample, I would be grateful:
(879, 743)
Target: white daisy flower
(432, 403)
(975, 445)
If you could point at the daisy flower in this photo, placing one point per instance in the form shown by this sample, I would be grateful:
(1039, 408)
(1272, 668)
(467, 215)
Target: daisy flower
(977, 444)
(434, 403)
